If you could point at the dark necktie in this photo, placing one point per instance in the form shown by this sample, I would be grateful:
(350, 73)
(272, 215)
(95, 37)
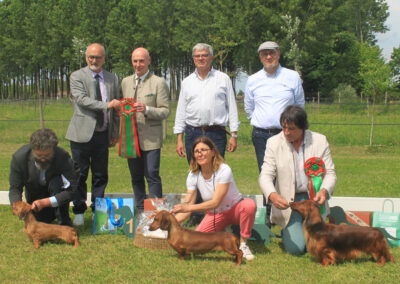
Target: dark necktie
(136, 89)
(100, 114)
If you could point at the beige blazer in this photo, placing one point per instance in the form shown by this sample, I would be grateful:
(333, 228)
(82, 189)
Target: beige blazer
(153, 92)
(279, 164)
(83, 121)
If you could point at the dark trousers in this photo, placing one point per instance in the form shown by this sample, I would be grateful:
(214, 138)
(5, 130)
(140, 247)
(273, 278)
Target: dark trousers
(93, 155)
(49, 214)
(148, 165)
(260, 139)
(218, 136)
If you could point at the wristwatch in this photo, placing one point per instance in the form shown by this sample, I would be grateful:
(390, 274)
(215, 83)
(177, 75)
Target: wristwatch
(234, 135)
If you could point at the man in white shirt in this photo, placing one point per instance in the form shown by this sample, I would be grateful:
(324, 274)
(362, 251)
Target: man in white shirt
(206, 104)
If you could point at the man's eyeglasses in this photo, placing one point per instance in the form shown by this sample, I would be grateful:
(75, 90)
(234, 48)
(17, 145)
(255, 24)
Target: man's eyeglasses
(91, 57)
(201, 55)
(265, 53)
(202, 151)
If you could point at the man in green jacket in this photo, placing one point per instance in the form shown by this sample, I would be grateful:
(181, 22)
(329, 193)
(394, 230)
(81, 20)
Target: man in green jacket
(150, 93)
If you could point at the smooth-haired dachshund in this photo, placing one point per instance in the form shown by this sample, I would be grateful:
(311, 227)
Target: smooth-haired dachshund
(39, 231)
(186, 241)
(330, 243)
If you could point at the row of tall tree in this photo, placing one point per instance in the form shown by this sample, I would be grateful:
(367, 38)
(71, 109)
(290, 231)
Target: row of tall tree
(43, 41)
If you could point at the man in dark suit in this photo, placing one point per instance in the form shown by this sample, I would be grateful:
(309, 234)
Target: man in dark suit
(151, 95)
(94, 125)
(48, 176)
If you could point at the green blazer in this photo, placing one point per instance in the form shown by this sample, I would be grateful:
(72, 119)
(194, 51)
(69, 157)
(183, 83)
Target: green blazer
(153, 92)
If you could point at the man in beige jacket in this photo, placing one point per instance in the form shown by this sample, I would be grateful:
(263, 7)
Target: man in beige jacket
(151, 95)
(284, 162)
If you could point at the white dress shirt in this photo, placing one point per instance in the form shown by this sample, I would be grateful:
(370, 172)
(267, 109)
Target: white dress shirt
(206, 102)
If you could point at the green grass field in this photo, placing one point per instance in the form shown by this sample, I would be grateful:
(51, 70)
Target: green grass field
(361, 170)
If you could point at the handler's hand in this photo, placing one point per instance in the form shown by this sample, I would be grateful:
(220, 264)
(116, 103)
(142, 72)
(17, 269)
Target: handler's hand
(140, 107)
(115, 104)
(180, 208)
(279, 201)
(113, 141)
(232, 144)
(39, 204)
(321, 196)
(180, 149)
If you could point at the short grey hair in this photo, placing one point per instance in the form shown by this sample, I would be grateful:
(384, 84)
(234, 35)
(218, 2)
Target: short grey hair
(43, 139)
(102, 47)
(202, 46)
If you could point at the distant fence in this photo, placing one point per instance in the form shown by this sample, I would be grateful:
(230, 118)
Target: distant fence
(331, 119)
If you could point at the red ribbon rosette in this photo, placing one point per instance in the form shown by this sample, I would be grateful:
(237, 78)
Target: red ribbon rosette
(314, 168)
(128, 139)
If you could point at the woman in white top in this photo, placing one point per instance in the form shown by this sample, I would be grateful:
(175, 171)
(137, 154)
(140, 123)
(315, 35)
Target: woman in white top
(223, 203)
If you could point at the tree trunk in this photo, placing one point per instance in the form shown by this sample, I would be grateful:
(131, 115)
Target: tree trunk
(371, 133)
(172, 85)
(61, 82)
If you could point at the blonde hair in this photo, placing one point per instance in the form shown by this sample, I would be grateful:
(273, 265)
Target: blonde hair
(217, 160)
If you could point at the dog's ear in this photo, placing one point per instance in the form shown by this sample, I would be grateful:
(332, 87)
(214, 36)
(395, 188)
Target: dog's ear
(165, 222)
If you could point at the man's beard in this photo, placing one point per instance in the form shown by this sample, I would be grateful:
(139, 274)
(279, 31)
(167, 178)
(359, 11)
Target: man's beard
(42, 166)
(271, 67)
(94, 67)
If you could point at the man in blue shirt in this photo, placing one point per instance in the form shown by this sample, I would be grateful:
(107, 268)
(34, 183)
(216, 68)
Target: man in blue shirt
(268, 92)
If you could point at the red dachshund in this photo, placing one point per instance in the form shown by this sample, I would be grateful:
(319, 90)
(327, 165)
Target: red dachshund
(330, 243)
(186, 241)
(39, 231)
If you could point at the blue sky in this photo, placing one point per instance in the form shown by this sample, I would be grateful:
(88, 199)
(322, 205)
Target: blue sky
(391, 38)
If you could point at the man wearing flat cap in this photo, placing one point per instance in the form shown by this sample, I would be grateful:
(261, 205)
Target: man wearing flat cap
(268, 92)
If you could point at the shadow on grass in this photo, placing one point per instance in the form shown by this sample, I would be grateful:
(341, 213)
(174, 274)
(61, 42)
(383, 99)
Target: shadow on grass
(359, 260)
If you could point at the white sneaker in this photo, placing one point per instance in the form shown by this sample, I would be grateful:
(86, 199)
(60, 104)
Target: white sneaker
(79, 220)
(247, 255)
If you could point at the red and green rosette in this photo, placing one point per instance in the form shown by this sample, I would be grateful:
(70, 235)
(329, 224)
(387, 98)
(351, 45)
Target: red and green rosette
(314, 168)
(128, 139)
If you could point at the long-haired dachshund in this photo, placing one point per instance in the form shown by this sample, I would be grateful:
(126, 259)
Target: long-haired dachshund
(330, 243)
(39, 231)
(186, 241)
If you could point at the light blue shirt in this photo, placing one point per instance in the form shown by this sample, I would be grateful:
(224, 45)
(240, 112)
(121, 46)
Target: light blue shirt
(266, 96)
(206, 102)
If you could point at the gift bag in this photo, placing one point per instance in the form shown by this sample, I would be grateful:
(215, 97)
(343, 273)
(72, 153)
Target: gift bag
(390, 222)
(113, 216)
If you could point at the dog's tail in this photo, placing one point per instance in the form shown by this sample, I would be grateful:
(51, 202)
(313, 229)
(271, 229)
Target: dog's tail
(386, 251)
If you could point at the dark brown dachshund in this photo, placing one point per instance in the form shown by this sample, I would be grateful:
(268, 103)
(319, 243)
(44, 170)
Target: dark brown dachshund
(186, 241)
(39, 231)
(330, 243)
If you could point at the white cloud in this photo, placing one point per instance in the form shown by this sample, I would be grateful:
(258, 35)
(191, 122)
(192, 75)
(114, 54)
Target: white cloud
(391, 38)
